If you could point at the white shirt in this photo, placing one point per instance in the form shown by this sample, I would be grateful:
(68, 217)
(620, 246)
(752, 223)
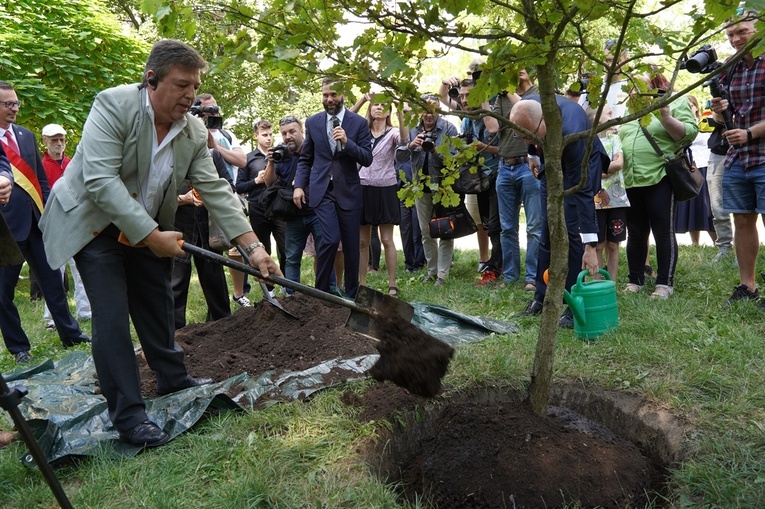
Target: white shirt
(160, 165)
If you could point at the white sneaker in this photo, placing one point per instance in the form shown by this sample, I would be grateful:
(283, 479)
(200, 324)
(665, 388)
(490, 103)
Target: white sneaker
(242, 301)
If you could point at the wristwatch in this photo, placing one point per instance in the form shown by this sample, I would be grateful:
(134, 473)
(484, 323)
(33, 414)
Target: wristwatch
(748, 135)
(252, 247)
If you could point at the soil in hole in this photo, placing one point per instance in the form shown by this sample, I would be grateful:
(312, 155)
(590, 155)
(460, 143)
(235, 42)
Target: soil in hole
(500, 454)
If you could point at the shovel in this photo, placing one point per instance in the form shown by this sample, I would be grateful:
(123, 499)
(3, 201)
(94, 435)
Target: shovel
(368, 304)
(409, 357)
(10, 254)
(266, 294)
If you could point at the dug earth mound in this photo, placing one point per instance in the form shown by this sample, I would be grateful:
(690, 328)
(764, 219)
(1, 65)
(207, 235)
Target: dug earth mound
(468, 450)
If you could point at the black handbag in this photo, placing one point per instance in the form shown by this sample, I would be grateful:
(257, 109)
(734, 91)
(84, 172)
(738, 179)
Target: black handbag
(277, 203)
(683, 175)
(451, 222)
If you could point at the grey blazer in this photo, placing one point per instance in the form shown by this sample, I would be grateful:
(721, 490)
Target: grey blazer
(102, 183)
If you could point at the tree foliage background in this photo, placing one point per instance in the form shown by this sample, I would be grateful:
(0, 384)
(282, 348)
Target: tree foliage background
(59, 55)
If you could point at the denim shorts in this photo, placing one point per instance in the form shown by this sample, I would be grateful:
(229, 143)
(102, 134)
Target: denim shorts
(743, 192)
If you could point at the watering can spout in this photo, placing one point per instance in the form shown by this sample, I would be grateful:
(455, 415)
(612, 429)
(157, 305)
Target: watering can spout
(576, 305)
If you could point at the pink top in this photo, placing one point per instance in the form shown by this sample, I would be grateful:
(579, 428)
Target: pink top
(382, 171)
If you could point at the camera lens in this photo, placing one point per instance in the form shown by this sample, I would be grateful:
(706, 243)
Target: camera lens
(454, 92)
(281, 153)
(697, 63)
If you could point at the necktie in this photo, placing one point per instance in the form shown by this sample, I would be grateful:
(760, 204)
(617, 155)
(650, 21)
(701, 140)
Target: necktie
(332, 142)
(10, 142)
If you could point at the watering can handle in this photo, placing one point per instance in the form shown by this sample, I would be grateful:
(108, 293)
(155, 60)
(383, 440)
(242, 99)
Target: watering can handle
(581, 276)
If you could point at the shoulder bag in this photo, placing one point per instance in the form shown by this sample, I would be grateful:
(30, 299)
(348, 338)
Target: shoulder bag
(685, 179)
(451, 222)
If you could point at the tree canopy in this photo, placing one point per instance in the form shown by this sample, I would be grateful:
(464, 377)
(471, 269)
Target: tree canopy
(60, 55)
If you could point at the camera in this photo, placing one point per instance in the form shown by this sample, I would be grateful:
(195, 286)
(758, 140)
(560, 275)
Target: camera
(701, 60)
(704, 60)
(213, 120)
(454, 92)
(467, 137)
(429, 143)
(280, 153)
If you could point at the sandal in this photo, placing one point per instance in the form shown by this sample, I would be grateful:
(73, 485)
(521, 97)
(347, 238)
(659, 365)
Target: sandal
(632, 288)
(393, 291)
(662, 292)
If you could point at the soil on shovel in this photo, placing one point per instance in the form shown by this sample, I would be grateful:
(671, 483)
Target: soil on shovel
(473, 455)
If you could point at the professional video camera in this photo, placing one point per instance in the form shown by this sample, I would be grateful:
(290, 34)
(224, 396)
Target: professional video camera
(429, 143)
(212, 120)
(281, 153)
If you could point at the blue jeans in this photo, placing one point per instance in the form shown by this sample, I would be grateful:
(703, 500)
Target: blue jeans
(294, 240)
(516, 185)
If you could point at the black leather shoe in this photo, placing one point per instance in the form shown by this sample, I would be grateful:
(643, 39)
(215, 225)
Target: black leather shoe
(189, 382)
(70, 342)
(566, 320)
(534, 308)
(146, 434)
(23, 357)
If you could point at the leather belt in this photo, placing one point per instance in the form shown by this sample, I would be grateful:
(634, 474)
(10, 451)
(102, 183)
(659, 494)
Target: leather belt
(515, 160)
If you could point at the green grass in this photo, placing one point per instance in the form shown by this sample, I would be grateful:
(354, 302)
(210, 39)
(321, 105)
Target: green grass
(693, 354)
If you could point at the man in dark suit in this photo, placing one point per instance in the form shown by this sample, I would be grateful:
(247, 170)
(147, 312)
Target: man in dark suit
(337, 143)
(22, 212)
(579, 207)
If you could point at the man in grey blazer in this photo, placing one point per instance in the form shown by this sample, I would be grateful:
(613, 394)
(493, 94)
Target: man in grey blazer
(114, 210)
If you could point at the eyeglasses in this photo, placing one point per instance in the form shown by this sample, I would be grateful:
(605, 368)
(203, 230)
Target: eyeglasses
(288, 120)
(517, 136)
(11, 104)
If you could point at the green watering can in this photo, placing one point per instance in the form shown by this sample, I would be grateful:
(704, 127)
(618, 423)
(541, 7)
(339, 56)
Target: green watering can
(593, 305)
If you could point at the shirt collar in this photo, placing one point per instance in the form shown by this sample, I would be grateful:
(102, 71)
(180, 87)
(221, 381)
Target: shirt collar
(339, 116)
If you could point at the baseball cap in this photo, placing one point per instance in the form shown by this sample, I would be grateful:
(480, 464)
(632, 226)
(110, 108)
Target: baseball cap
(53, 130)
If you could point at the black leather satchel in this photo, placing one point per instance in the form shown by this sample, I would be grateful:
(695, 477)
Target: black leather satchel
(683, 175)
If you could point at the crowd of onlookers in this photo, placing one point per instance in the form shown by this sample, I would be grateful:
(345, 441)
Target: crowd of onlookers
(147, 175)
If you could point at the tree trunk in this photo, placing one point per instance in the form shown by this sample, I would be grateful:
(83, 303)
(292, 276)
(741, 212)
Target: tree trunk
(541, 375)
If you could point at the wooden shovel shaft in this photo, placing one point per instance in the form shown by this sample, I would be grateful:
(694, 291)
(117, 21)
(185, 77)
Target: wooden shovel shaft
(274, 279)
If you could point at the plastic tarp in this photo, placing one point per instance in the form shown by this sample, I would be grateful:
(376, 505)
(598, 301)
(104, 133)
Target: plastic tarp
(69, 418)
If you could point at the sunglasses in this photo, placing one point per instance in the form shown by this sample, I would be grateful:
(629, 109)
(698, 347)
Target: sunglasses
(288, 120)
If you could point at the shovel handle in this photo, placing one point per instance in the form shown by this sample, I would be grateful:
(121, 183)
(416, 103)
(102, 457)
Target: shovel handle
(278, 280)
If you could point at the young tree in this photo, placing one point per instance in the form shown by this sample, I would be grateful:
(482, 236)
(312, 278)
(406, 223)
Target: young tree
(386, 43)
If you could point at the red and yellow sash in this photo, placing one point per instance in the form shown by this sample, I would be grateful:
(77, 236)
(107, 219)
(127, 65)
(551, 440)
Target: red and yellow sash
(25, 177)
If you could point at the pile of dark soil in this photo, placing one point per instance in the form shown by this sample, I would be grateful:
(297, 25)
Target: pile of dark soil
(263, 338)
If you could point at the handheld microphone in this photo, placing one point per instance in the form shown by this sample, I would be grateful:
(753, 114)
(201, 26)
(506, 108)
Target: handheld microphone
(336, 123)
